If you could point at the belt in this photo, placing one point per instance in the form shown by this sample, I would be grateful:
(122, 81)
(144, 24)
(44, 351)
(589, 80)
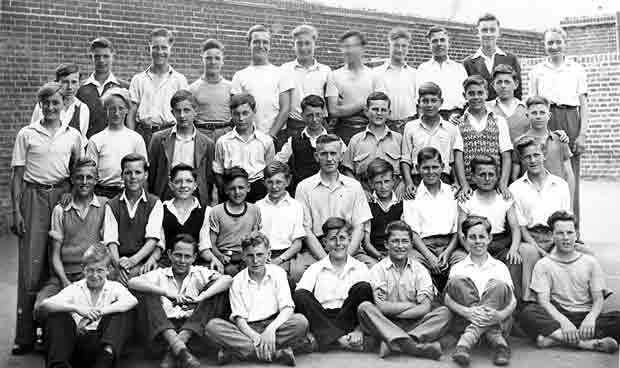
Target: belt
(58, 185)
(210, 125)
(563, 107)
(155, 128)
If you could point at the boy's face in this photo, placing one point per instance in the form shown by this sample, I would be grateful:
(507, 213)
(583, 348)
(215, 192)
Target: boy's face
(96, 274)
(213, 60)
(181, 256)
(160, 50)
(554, 44)
(255, 257)
(398, 244)
(336, 242)
(237, 190)
(429, 105)
(70, 84)
(485, 177)
(184, 113)
(183, 185)
(313, 117)
(377, 112)
(430, 170)
(243, 117)
(504, 85)
(488, 32)
(260, 44)
(564, 236)
(304, 46)
(383, 185)
(533, 158)
(352, 48)
(440, 44)
(539, 116)
(51, 107)
(476, 96)
(102, 59)
(134, 176)
(329, 156)
(84, 180)
(399, 48)
(276, 185)
(478, 240)
(116, 111)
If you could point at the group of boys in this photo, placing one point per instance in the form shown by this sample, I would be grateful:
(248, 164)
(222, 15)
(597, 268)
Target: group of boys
(297, 208)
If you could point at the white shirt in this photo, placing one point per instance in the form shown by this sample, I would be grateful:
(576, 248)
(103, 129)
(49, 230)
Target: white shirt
(66, 115)
(445, 137)
(430, 215)
(183, 148)
(283, 222)
(153, 93)
(535, 206)
(100, 86)
(491, 269)
(308, 81)
(257, 301)
(449, 76)
(265, 83)
(488, 60)
(562, 85)
(505, 143)
(204, 239)
(329, 287)
(252, 154)
(495, 210)
(153, 225)
(287, 149)
(400, 86)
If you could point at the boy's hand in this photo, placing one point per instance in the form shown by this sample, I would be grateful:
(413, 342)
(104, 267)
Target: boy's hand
(562, 135)
(456, 119)
(464, 193)
(570, 333)
(409, 192)
(149, 265)
(504, 192)
(217, 265)
(434, 263)
(126, 262)
(65, 199)
(18, 228)
(443, 259)
(268, 343)
(579, 146)
(513, 256)
(586, 330)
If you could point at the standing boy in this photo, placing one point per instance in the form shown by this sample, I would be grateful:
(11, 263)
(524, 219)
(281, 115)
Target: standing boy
(506, 104)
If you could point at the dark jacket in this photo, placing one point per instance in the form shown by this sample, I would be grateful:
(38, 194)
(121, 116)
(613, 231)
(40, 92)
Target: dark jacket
(477, 66)
(89, 94)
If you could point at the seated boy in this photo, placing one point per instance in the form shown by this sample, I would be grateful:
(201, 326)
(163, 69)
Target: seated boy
(263, 324)
(177, 301)
(331, 290)
(432, 216)
(230, 221)
(480, 293)
(282, 218)
(83, 333)
(570, 290)
(403, 318)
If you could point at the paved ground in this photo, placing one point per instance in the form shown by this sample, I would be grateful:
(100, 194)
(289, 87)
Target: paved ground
(600, 224)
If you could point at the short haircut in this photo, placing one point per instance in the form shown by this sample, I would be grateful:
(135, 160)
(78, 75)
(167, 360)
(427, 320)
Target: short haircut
(121, 93)
(83, 162)
(95, 253)
(475, 80)
(483, 159)
(100, 43)
(313, 101)
(47, 90)
(242, 99)
(277, 167)
(486, 18)
(64, 70)
(254, 239)
(353, 33)
(327, 138)
(184, 238)
(336, 223)
(254, 29)
(378, 166)
(183, 95)
(212, 43)
(305, 29)
(399, 32)
(429, 153)
(234, 173)
(429, 88)
(504, 69)
(182, 167)
(557, 30)
(537, 100)
(526, 141)
(473, 220)
(377, 96)
(398, 225)
(163, 32)
(134, 157)
(561, 215)
(435, 29)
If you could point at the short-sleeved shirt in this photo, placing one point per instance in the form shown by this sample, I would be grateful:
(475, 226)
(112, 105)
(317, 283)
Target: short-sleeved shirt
(449, 76)
(445, 137)
(45, 156)
(346, 199)
(569, 284)
(66, 115)
(308, 81)
(561, 85)
(283, 222)
(491, 269)
(204, 238)
(153, 94)
(412, 285)
(518, 122)
(192, 285)
(153, 225)
(257, 301)
(535, 206)
(213, 99)
(429, 214)
(231, 227)
(265, 83)
(556, 153)
(252, 154)
(350, 87)
(78, 294)
(366, 146)
(108, 147)
(400, 86)
(494, 210)
(329, 287)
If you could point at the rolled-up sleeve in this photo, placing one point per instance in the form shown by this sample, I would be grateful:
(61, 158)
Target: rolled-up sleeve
(110, 227)
(56, 226)
(154, 223)
(237, 306)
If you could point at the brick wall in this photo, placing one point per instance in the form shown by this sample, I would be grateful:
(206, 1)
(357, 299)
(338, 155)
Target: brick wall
(591, 35)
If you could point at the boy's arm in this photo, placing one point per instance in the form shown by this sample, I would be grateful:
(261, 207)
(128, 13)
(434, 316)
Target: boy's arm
(222, 284)
(528, 238)
(57, 265)
(341, 111)
(457, 308)
(314, 245)
(462, 216)
(503, 314)
(569, 176)
(312, 241)
(505, 176)
(292, 250)
(131, 116)
(584, 116)
(513, 255)
(356, 238)
(459, 166)
(516, 169)
(124, 302)
(417, 310)
(419, 245)
(368, 246)
(144, 285)
(244, 327)
(285, 107)
(17, 186)
(545, 302)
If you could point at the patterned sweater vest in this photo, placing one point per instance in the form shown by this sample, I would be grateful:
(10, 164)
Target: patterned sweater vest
(478, 143)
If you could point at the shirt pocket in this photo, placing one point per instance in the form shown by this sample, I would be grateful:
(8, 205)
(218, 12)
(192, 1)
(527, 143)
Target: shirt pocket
(393, 157)
(360, 159)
